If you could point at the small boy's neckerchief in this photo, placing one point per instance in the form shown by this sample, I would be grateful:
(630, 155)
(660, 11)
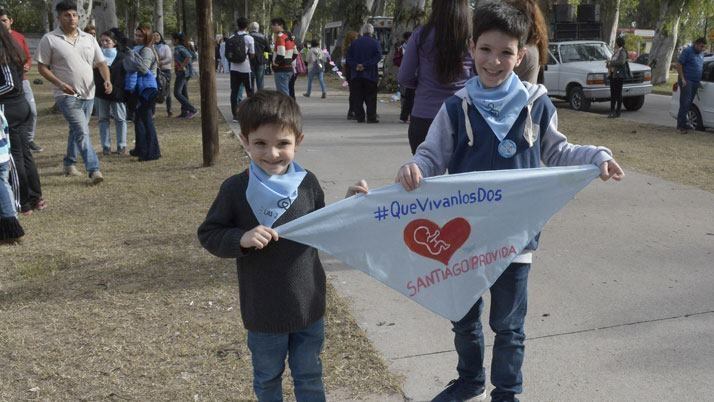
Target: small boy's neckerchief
(270, 196)
(499, 106)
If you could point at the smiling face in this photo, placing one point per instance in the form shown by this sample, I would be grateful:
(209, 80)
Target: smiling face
(272, 147)
(495, 55)
(106, 42)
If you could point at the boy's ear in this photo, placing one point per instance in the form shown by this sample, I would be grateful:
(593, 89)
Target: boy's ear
(299, 138)
(521, 54)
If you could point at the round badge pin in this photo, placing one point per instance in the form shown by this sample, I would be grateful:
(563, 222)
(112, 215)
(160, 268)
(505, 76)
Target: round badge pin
(507, 148)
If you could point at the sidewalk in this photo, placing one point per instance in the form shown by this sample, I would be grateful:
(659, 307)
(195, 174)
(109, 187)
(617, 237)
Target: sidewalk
(621, 291)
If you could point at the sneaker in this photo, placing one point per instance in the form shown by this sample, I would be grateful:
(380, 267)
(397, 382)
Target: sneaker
(122, 151)
(324, 95)
(190, 115)
(71, 170)
(169, 113)
(34, 147)
(235, 120)
(96, 177)
(307, 95)
(461, 390)
(106, 151)
(372, 121)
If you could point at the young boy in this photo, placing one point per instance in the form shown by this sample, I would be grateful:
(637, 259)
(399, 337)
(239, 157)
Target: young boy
(497, 122)
(281, 283)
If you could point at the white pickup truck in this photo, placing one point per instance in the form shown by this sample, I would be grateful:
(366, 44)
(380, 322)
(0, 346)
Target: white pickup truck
(576, 72)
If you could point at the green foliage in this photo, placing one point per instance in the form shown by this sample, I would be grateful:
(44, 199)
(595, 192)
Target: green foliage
(27, 14)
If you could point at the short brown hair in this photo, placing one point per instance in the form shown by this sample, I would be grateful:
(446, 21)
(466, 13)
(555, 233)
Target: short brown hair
(148, 34)
(269, 107)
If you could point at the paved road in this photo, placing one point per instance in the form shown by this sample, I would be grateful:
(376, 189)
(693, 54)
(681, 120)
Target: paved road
(621, 305)
(654, 111)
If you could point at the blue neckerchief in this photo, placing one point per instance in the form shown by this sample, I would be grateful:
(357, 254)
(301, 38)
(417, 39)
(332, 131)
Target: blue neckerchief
(270, 196)
(499, 106)
(110, 53)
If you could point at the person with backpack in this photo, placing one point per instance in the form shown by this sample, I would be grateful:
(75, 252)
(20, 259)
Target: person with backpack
(183, 58)
(315, 67)
(114, 102)
(166, 64)
(257, 65)
(240, 50)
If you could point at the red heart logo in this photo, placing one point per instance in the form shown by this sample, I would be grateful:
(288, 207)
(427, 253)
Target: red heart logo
(427, 239)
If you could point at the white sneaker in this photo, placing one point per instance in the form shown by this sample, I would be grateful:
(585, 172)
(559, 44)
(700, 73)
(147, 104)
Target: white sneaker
(96, 177)
(71, 170)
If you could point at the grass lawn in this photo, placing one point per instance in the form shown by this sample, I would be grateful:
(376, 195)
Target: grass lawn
(666, 88)
(110, 296)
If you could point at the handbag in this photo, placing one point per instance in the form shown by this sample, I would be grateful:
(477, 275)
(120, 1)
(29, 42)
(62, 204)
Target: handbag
(300, 65)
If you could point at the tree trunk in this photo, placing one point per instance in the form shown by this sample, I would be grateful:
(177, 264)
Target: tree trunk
(47, 21)
(610, 16)
(207, 68)
(300, 30)
(407, 15)
(354, 14)
(159, 16)
(378, 7)
(105, 15)
(665, 39)
(132, 22)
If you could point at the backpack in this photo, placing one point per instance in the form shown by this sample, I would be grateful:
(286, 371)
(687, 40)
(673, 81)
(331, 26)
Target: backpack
(132, 61)
(235, 49)
(162, 86)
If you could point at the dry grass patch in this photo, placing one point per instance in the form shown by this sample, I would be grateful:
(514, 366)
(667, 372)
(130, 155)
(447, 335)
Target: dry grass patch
(110, 296)
(656, 150)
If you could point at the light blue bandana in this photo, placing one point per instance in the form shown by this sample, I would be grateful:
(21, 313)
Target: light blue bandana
(499, 106)
(110, 53)
(270, 196)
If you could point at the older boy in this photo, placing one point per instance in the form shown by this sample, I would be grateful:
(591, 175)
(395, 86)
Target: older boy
(497, 122)
(281, 283)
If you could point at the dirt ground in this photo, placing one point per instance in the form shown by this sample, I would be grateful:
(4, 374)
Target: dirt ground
(110, 296)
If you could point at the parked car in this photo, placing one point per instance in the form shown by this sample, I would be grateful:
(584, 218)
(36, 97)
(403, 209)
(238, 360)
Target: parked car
(576, 72)
(701, 114)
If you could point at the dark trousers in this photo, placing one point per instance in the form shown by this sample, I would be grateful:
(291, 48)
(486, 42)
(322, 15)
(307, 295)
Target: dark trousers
(291, 85)
(365, 92)
(19, 118)
(238, 79)
(418, 128)
(181, 93)
(407, 103)
(616, 94)
(686, 97)
(147, 142)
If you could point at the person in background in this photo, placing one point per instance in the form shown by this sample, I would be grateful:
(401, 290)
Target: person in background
(15, 108)
(283, 54)
(240, 72)
(184, 70)
(407, 94)
(217, 52)
(617, 69)
(257, 64)
(146, 146)
(536, 44)
(350, 37)
(6, 20)
(294, 65)
(690, 68)
(225, 64)
(166, 64)
(436, 63)
(66, 58)
(112, 104)
(315, 67)
(363, 56)
(10, 229)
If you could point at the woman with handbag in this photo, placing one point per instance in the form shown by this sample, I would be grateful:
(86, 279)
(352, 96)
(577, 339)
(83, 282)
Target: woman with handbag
(618, 70)
(113, 103)
(146, 147)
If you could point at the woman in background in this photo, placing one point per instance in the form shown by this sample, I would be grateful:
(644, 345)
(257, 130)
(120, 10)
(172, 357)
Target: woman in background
(350, 37)
(147, 142)
(166, 64)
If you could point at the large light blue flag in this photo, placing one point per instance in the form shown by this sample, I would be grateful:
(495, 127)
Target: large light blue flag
(444, 244)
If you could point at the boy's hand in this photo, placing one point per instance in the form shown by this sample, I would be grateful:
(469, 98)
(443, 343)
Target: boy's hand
(360, 187)
(409, 176)
(258, 237)
(610, 169)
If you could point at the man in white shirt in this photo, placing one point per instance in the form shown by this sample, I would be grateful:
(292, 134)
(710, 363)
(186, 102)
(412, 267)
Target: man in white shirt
(240, 72)
(66, 57)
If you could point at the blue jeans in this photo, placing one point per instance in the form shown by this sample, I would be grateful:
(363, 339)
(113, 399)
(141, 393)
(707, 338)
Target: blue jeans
(507, 319)
(257, 77)
(181, 92)
(282, 81)
(118, 111)
(320, 76)
(7, 200)
(686, 96)
(303, 351)
(77, 112)
(147, 142)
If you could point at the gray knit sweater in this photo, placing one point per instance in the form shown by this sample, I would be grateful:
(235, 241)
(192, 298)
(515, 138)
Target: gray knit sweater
(282, 286)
